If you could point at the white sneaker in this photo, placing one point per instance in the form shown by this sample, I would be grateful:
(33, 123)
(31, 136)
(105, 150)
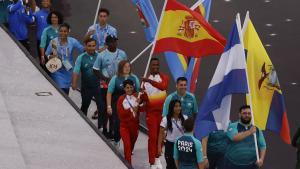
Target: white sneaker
(117, 144)
(153, 167)
(158, 164)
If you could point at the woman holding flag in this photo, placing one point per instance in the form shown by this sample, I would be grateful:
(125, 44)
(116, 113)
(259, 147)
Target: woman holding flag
(115, 90)
(128, 107)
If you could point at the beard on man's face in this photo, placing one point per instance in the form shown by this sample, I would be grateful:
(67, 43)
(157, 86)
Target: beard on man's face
(246, 120)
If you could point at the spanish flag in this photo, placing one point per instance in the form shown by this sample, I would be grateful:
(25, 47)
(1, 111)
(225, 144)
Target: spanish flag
(268, 105)
(186, 32)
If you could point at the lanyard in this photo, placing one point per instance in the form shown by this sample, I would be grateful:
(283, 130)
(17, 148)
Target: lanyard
(64, 51)
(129, 102)
(98, 33)
(133, 113)
(174, 122)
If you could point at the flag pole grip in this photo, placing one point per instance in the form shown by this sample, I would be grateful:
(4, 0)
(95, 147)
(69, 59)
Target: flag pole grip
(238, 20)
(154, 42)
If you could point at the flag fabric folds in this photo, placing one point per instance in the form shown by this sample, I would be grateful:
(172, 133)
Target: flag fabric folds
(186, 32)
(267, 99)
(192, 72)
(229, 78)
(204, 9)
(147, 17)
(179, 65)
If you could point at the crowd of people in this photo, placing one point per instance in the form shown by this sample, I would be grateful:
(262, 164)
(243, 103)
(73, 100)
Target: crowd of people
(106, 75)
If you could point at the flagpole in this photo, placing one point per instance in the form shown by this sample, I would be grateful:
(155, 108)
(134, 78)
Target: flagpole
(247, 18)
(196, 4)
(155, 38)
(238, 20)
(140, 54)
(96, 15)
(144, 50)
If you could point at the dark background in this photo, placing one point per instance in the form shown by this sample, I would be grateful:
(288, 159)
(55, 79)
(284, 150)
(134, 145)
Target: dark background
(276, 22)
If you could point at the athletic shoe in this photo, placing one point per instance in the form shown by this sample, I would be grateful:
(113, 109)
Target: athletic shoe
(117, 144)
(158, 164)
(153, 167)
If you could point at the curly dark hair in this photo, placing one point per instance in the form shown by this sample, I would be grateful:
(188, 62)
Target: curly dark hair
(59, 16)
(171, 113)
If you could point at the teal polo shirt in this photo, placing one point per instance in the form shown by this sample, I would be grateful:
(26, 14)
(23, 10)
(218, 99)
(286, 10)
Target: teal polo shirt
(217, 142)
(188, 104)
(243, 152)
(48, 34)
(188, 151)
(84, 65)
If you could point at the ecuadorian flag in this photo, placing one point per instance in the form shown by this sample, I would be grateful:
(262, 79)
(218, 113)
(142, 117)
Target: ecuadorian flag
(267, 100)
(186, 32)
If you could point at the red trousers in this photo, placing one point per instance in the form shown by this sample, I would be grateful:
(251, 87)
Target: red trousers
(153, 120)
(129, 133)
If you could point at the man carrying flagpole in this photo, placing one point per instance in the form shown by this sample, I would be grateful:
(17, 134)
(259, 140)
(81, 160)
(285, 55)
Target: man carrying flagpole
(241, 153)
(230, 78)
(247, 146)
(155, 87)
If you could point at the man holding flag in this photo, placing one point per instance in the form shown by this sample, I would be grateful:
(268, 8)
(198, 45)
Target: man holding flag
(241, 153)
(214, 112)
(155, 87)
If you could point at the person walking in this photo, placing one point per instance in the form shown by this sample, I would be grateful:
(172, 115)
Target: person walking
(65, 47)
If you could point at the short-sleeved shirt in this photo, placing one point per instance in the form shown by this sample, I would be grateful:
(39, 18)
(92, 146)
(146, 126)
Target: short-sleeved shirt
(188, 103)
(84, 65)
(107, 62)
(177, 127)
(101, 33)
(188, 151)
(48, 34)
(41, 22)
(115, 85)
(62, 77)
(217, 143)
(243, 152)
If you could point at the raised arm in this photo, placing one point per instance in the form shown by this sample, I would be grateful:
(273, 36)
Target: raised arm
(242, 135)
(13, 7)
(163, 85)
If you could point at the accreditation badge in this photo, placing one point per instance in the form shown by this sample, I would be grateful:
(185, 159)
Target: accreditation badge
(68, 66)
